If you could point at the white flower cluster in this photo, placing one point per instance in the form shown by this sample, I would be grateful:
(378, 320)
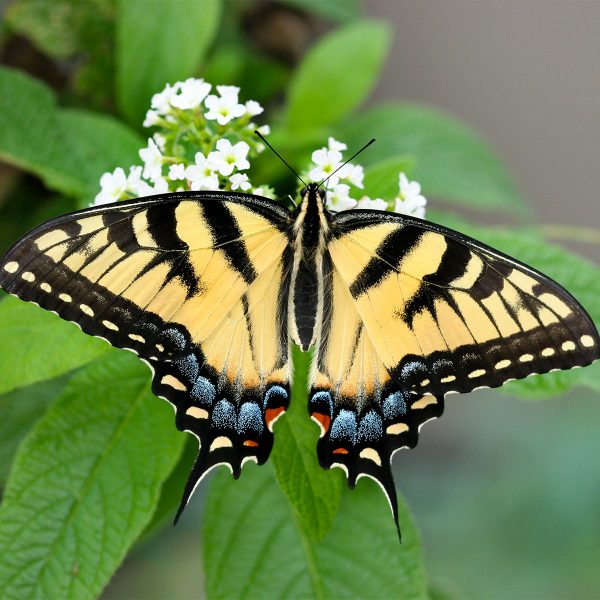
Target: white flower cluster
(329, 163)
(215, 129)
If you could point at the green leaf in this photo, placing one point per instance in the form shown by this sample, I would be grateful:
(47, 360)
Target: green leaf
(38, 345)
(381, 179)
(159, 45)
(337, 74)
(67, 149)
(61, 28)
(101, 143)
(451, 161)
(85, 482)
(20, 409)
(332, 10)
(313, 493)
(576, 274)
(249, 531)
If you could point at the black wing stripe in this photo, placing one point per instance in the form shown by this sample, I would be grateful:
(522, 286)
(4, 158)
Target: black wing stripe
(388, 256)
(227, 238)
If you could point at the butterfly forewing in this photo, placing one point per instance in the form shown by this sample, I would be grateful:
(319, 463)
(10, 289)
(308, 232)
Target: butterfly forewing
(448, 314)
(192, 285)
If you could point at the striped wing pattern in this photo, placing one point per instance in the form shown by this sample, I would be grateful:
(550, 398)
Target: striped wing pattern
(417, 312)
(191, 286)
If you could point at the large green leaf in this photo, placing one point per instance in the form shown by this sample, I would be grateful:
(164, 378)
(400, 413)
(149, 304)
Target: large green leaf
(20, 409)
(85, 482)
(67, 149)
(337, 74)
(314, 494)
(253, 547)
(382, 178)
(61, 28)
(451, 161)
(102, 143)
(38, 345)
(158, 43)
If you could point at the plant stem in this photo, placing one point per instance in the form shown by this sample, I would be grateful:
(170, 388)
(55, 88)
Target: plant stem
(571, 233)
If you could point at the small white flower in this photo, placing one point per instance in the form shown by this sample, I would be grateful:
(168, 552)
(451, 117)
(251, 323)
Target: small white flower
(352, 173)
(225, 107)
(161, 102)
(190, 93)
(264, 129)
(338, 198)
(239, 180)
(152, 118)
(113, 186)
(333, 144)
(152, 159)
(253, 108)
(201, 174)
(161, 186)
(327, 162)
(375, 203)
(135, 184)
(410, 200)
(227, 157)
(160, 141)
(177, 172)
(228, 90)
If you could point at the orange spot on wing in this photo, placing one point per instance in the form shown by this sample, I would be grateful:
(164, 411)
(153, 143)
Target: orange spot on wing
(340, 451)
(324, 420)
(271, 414)
(251, 443)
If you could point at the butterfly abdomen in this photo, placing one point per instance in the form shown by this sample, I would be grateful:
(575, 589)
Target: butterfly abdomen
(310, 265)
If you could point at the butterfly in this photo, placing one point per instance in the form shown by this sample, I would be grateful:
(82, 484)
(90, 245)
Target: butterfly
(212, 289)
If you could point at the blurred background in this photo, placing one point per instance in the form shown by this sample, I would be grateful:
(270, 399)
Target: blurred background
(506, 492)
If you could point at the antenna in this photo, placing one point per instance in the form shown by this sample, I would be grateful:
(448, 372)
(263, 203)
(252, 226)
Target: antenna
(262, 137)
(344, 164)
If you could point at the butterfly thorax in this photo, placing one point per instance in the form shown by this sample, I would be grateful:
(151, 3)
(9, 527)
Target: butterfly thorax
(310, 234)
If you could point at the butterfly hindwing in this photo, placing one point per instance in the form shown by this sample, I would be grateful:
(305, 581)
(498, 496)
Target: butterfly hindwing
(363, 414)
(193, 285)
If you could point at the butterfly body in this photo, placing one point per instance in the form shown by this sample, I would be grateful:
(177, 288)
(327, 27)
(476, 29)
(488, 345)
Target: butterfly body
(211, 289)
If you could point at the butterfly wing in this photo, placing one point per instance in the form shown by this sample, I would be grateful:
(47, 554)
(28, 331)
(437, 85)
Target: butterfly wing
(192, 284)
(431, 312)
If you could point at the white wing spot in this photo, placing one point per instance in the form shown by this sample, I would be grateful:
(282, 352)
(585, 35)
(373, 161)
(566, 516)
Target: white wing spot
(11, 266)
(587, 341)
(503, 364)
(424, 382)
(397, 428)
(28, 276)
(423, 402)
(476, 373)
(46, 287)
(221, 442)
(448, 379)
(526, 358)
(174, 383)
(197, 412)
(371, 454)
(110, 325)
(548, 352)
(568, 346)
(160, 347)
(65, 297)
(85, 309)
(137, 338)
